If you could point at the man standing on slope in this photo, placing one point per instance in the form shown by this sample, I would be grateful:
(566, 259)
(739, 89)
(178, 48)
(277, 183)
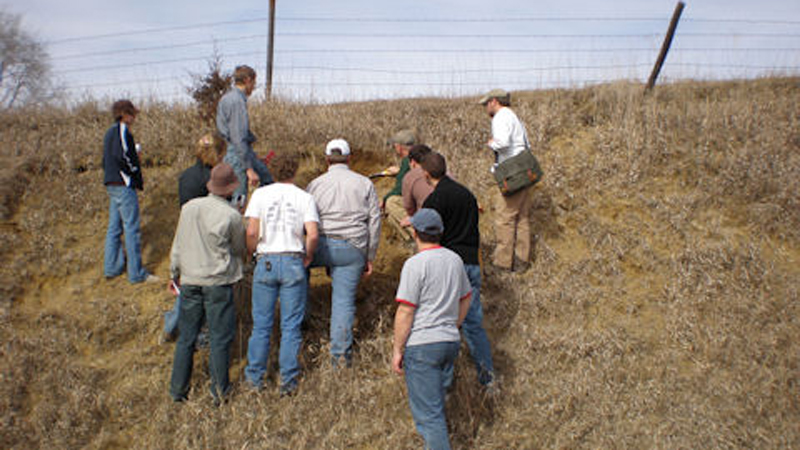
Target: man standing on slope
(433, 299)
(415, 187)
(392, 203)
(123, 177)
(206, 257)
(350, 228)
(282, 230)
(193, 183)
(459, 211)
(513, 229)
(233, 123)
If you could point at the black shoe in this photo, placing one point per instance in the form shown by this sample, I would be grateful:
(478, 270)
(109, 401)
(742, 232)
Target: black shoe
(217, 398)
(493, 269)
(167, 337)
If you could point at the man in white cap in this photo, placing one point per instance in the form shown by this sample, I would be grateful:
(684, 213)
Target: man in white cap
(205, 262)
(433, 299)
(350, 228)
(512, 227)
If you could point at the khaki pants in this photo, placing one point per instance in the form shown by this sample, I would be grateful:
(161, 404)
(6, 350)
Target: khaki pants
(512, 228)
(395, 214)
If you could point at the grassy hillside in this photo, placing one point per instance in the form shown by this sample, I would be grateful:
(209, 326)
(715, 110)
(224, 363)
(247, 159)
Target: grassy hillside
(661, 310)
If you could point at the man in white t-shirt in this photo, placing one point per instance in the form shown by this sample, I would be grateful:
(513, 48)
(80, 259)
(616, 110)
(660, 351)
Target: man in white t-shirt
(433, 299)
(282, 230)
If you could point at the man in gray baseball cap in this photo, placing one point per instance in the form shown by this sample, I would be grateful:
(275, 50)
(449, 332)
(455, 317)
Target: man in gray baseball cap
(392, 202)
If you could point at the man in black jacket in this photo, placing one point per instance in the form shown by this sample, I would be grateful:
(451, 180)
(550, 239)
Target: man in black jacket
(459, 211)
(123, 177)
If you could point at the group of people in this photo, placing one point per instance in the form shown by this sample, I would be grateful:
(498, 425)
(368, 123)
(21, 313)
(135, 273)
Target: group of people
(334, 223)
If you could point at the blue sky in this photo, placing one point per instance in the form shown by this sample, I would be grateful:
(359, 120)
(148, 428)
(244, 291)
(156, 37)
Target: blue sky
(357, 50)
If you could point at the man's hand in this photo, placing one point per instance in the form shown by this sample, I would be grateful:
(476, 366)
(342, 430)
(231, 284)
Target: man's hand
(397, 363)
(253, 177)
(173, 287)
(367, 270)
(391, 170)
(403, 320)
(406, 222)
(307, 260)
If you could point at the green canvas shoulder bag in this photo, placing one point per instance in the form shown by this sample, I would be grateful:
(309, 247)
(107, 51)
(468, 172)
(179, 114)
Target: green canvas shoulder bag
(518, 172)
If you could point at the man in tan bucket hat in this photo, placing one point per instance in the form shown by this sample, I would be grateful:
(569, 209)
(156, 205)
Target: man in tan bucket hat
(205, 262)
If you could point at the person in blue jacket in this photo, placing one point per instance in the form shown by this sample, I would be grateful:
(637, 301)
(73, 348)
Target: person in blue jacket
(123, 177)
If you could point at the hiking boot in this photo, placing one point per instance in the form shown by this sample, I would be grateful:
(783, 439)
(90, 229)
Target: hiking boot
(493, 269)
(288, 390)
(520, 265)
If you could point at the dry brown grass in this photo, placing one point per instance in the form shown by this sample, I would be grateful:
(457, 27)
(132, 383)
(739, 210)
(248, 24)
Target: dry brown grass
(661, 310)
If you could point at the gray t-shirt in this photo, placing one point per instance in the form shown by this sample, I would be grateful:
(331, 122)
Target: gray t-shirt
(434, 282)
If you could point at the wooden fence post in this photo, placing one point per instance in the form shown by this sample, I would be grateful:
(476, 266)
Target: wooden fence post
(662, 55)
(270, 47)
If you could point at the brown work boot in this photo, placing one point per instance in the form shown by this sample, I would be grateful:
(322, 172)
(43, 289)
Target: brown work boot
(520, 265)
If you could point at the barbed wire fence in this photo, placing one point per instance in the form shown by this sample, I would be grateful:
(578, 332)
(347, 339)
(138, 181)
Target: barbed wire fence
(344, 58)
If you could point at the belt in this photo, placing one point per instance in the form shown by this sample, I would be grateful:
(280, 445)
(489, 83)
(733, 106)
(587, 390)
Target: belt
(336, 237)
(295, 254)
(115, 183)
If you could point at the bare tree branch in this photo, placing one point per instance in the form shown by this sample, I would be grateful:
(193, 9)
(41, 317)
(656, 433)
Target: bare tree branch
(25, 77)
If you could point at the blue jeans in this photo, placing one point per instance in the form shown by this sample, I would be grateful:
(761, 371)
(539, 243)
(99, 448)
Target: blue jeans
(473, 331)
(171, 317)
(240, 170)
(261, 169)
(171, 323)
(425, 368)
(215, 304)
(123, 217)
(284, 277)
(346, 264)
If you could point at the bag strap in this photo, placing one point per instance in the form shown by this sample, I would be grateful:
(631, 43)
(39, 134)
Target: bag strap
(527, 142)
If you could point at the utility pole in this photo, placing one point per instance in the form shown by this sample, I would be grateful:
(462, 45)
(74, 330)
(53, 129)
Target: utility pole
(662, 55)
(270, 47)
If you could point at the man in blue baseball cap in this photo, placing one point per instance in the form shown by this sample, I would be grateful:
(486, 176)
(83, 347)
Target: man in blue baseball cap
(433, 298)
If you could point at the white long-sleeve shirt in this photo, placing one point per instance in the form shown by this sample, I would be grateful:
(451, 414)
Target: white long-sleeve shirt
(509, 137)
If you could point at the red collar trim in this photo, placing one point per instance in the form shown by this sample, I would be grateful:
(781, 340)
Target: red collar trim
(430, 248)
